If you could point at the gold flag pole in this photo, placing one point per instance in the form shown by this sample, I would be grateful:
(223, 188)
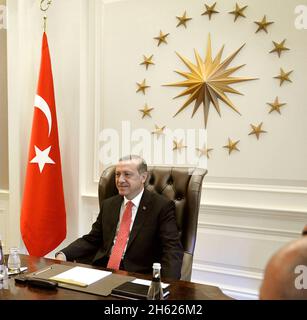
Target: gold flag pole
(44, 7)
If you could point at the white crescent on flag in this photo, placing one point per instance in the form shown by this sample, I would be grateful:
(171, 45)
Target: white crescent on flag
(41, 104)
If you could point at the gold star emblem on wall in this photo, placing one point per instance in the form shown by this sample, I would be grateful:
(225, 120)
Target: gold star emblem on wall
(146, 111)
(183, 20)
(204, 152)
(178, 145)
(158, 130)
(210, 10)
(161, 38)
(263, 24)
(238, 12)
(147, 61)
(208, 81)
(142, 86)
(232, 145)
(276, 105)
(279, 47)
(283, 76)
(257, 130)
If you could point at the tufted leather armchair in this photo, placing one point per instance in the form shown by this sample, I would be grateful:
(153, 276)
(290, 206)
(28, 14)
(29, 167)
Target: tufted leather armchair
(183, 186)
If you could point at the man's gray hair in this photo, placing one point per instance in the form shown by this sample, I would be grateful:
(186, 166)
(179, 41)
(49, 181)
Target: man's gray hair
(142, 165)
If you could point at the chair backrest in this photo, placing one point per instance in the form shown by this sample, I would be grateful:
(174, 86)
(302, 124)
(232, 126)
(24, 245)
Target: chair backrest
(183, 186)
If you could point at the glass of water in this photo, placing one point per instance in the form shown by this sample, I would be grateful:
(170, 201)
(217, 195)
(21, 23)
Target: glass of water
(13, 262)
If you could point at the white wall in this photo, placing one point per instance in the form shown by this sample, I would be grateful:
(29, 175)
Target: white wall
(253, 201)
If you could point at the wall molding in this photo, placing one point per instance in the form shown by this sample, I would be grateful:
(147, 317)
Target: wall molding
(90, 195)
(98, 83)
(91, 75)
(226, 269)
(4, 192)
(246, 186)
(263, 232)
(244, 211)
(224, 278)
(4, 218)
(278, 201)
(4, 201)
(249, 226)
(112, 1)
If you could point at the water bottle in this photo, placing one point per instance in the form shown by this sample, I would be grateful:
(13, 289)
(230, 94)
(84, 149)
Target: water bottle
(155, 291)
(13, 262)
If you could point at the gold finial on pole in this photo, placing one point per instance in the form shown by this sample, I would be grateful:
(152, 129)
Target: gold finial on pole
(45, 23)
(44, 7)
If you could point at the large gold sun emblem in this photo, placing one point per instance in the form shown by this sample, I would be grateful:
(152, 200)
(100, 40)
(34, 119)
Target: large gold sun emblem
(208, 81)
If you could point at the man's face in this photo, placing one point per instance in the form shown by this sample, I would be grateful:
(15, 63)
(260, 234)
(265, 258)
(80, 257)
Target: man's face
(129, 181)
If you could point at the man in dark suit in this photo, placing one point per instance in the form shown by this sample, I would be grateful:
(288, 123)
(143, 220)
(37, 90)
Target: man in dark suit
(152, 235)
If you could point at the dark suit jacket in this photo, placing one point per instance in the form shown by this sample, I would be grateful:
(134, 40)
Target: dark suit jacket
(154, 237)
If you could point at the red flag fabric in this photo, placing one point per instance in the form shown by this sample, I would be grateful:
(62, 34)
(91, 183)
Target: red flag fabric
(43, 216)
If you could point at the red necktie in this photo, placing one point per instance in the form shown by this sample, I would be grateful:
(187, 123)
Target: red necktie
(121, 239)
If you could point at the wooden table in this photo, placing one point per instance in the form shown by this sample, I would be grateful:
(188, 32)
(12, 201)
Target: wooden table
(179, 290)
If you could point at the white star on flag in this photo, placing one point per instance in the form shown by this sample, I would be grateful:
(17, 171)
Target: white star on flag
(42, 157)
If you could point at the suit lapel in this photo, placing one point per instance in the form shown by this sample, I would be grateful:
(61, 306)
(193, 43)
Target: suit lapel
(141, 215)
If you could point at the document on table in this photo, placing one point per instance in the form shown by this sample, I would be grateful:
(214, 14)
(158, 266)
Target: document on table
(148, 282)
(81, 276)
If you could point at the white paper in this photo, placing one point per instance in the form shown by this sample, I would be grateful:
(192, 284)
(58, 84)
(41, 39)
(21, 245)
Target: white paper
(83, 275)
(147, 283)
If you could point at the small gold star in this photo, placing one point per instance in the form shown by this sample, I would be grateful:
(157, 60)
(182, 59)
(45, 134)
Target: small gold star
(283, 76)
(147, 61)
(183, 20)
(257, 130)
(204, 152)
(275, 106)
(178, 145)
(146, 111)
(263, 24)
(161, 38)
(279, 47)
(210, 10)
(158, 130)
(238, 12)
(231, 146)
(142, 86)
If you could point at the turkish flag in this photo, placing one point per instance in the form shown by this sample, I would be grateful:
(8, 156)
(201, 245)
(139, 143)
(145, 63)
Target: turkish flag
(43, 216)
